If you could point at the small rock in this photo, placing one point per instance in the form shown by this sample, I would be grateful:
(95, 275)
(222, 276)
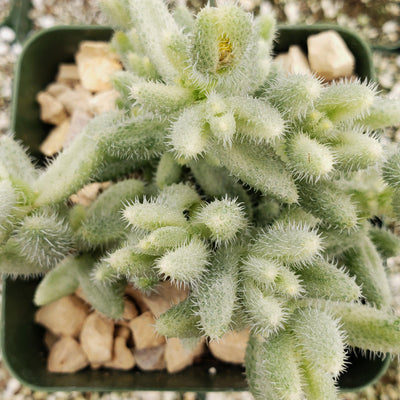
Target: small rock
(122, 331)
(12, 387)
(386, 80)
(165, 296)
(46, 21)
(138, 297)
(177, 357)
(295, 61)
(103, 101)
(4, 122)
(55, 140)
(16, 48)
(329, 55)
(292, 11)
(49, 339)
(231, 347)
(85, 197)
(97, 338)
(68, 74)
(96, 62)
(130, 310)
(144, 334)
(4, 48)
(75, 100)
(51, 110)
(66, 356)
(79, 119)
(330, 8)
(122, 356)
(390, 27)
(6, 87)
(64, 317)
(151, 359)
(7, 34)
(56, 88)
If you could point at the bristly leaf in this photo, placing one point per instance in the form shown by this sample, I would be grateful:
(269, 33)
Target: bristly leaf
(309, 159)
(188, 137)
(61, 281)
(223, 220)
(180, 321)
(318, 384)
(215, 295)
(272, 368)
(364, 262)
(319, 339)
(346, 100)
(259, 167)
(391, 170)
(355, 150)
(293, 95)
(324, 280)
(186, 263)
(265, 313)
(149, 18)
(384, 112)
(43, 238)
(162, 240)
(290, 244)
(328, 202)
(366, 327)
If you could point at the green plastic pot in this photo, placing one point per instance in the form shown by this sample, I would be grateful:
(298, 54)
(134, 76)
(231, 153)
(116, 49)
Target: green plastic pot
(22, 344)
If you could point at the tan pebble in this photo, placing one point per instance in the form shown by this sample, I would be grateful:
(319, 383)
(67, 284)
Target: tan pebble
(151, 359)
(122, 356)
(144, 334)
(95, 366)
(189, 396)
(177, 357)
(54, 142)
(122, 322)
(122, 331)
(56, 88)
(39, 395)
(138, 297)
(231, 347)
(79, 119)
(51, 110)
(66, 355)
(68, 74)
(103, 102)
(97, 338)
(165, 296)
(294, 61)
(96, 62)
(49, 339)
(75, 100)
(130, 310)
(85, 197)
(298, 63)
(64, 317)
(329, 55)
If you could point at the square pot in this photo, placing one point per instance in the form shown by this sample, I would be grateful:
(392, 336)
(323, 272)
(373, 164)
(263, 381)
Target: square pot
(22, 343)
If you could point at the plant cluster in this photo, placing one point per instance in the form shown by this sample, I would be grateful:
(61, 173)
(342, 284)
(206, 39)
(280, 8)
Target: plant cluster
(253, 188)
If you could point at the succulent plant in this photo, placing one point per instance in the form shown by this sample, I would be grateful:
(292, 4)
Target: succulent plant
(246, 195)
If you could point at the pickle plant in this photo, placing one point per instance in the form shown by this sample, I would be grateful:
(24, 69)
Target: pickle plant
(254, 189)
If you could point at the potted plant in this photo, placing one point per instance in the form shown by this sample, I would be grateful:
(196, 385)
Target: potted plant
(250, 207)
